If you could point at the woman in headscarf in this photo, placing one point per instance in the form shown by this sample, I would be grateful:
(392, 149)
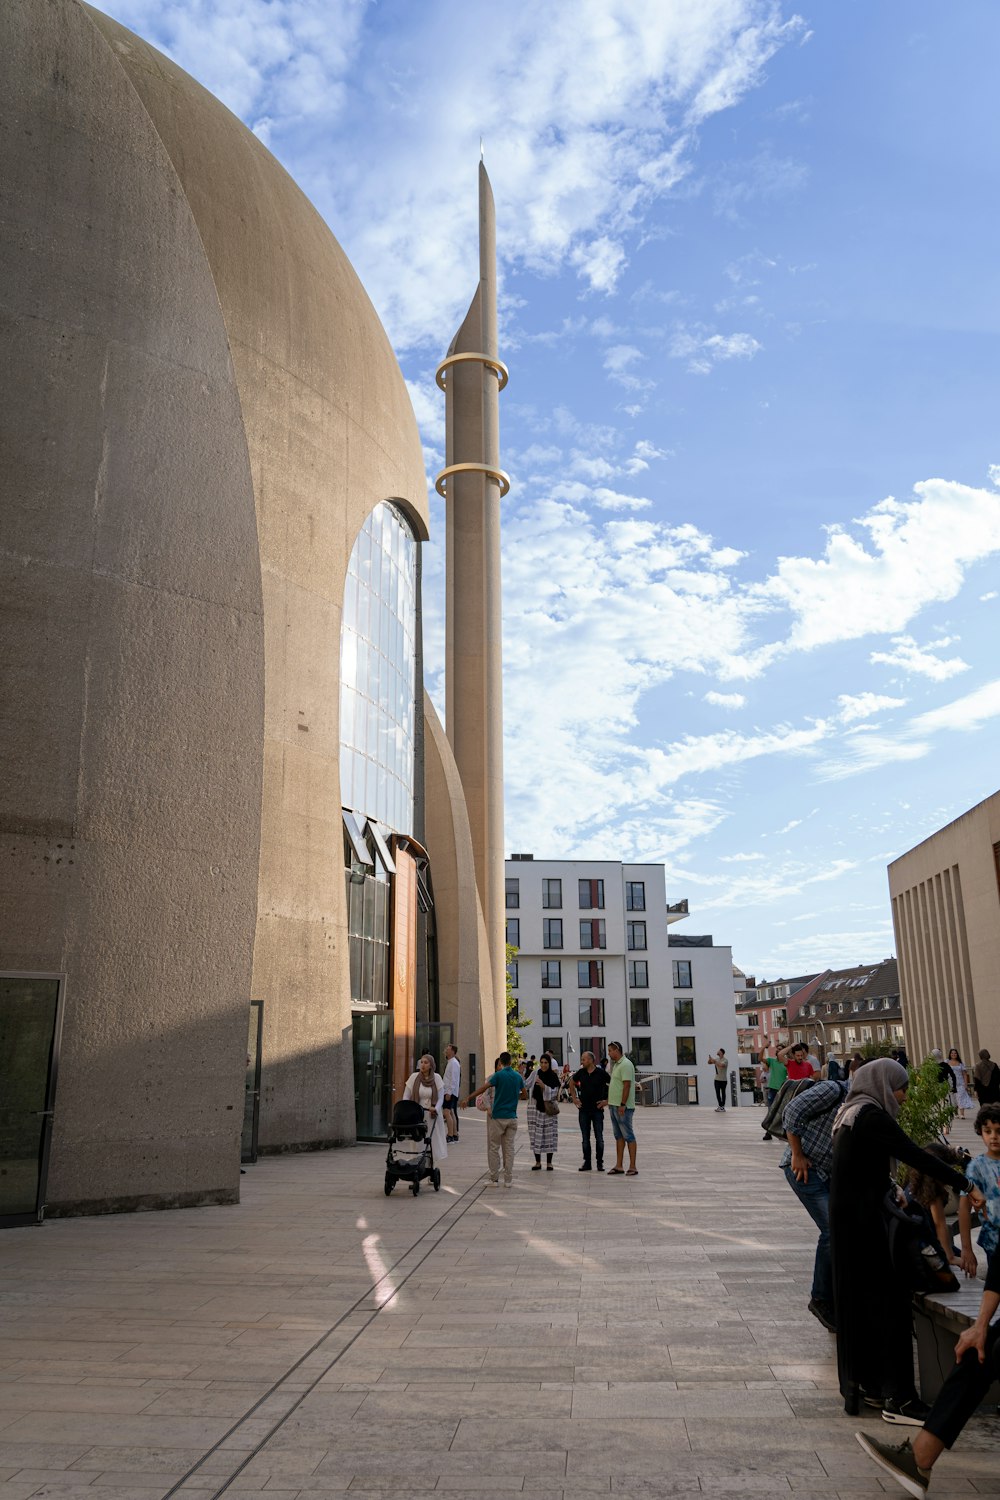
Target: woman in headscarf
(426, 1087)
(986, 1079)
(543, 1129)
(874, 1350)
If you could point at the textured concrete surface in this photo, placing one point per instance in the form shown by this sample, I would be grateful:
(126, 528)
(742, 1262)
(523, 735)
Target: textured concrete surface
(577, 1335)
(131, 671)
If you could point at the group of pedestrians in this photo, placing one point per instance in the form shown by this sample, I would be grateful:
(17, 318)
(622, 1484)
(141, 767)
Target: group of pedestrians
(843, 1145)
(594, 1091)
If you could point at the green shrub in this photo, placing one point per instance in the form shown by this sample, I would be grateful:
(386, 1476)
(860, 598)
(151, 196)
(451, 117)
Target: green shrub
(515, 1045)
(926, 1110)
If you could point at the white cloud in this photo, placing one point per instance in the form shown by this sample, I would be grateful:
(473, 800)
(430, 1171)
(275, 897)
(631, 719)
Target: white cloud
(726, 700)
(591, 114)
(612, 500)
(601, 262)
(910, 657)
(428, 408)
(966, 713)
(985, 598)
(739, 859)
(619, 361)
(918, 552)
(862, 705)
(702, 351)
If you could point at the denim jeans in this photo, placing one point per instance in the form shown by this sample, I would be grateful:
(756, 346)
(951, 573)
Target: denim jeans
(592, 1117)
(814, 1196)
(621, 1128)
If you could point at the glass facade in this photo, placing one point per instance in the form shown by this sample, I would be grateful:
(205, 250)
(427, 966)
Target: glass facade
(378, 665)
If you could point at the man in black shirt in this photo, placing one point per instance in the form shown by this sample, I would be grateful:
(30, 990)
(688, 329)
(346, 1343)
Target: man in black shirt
(589, 1092)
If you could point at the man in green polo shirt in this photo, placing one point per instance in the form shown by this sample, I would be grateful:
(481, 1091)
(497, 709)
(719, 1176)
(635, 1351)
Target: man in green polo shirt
(621, 1108)
(776, 1075)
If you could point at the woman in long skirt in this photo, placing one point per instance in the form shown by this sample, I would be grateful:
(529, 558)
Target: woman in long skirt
(873, 1311)
(426, 1086)
(543, 1129)
(962, 1099)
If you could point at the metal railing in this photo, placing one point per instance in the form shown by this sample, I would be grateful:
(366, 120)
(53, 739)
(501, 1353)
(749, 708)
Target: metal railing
(666, 1088)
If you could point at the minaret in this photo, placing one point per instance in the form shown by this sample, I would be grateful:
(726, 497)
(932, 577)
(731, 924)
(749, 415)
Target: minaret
(473, 485)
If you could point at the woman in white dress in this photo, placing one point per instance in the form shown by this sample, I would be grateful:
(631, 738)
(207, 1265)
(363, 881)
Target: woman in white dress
(962, 1097)
(426, 1086)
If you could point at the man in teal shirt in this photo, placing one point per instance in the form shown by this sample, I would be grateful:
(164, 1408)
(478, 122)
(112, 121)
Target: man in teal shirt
(621, 1107)
(501, 1127)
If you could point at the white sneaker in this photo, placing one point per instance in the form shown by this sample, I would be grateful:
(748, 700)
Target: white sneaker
(493, 1182)
(508, 1184)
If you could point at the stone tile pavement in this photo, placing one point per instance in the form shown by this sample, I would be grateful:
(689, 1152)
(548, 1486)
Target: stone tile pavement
(576, 1336)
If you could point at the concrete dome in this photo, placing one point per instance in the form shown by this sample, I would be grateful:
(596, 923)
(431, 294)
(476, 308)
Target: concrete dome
(202, 407)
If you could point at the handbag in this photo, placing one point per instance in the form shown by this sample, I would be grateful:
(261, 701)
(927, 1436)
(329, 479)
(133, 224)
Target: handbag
(914, 1250)
(550, 1107)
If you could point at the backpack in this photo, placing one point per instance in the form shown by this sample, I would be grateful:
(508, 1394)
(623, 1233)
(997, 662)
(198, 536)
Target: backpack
(914, 1250)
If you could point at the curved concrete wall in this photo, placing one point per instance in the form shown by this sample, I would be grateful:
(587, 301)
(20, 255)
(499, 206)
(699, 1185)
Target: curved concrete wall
(330, 433)
(132, 652)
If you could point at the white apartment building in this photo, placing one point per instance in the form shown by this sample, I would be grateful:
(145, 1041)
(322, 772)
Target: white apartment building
(599, 960)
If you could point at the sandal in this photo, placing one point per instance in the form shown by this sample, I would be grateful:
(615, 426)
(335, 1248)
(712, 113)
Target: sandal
(632, 1172)
(615, 1172)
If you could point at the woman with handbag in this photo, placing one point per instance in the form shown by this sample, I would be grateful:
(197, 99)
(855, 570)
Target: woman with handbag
(872, 1302)
(543, 1112)
(426, 1088)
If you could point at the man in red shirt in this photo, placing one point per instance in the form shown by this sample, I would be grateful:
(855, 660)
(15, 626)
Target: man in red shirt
(796, 1060)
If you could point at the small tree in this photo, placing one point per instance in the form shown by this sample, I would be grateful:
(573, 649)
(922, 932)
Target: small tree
(926, 1111)
(870, 1050)
(515, 1044)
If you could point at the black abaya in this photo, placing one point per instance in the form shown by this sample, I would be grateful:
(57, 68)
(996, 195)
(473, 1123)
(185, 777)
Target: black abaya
(874, 1349)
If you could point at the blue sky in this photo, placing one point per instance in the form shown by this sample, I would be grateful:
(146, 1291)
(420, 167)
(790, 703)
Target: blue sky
(750, 306)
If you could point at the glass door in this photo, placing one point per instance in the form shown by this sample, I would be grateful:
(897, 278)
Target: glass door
(30, 1022)
(371, 1034)
(251, 1096)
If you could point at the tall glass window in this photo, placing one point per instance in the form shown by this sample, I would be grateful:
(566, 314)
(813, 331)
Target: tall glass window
(378, 658)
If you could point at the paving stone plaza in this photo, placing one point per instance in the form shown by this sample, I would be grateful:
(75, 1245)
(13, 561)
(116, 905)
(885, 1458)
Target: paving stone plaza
(578, 1335)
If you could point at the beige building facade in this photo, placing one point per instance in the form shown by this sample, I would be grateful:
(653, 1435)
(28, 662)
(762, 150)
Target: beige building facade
(945, 896)
(222, 783)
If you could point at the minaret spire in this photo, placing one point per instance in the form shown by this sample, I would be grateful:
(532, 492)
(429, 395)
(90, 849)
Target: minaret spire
(473, 485)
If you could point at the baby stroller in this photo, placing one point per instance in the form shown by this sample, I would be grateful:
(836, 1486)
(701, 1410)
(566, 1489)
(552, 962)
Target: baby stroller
(409, 1158)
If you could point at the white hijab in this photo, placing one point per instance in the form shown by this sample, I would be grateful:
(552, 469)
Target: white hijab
(873, 1083)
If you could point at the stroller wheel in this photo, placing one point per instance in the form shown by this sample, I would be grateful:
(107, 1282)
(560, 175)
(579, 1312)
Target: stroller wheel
(390, 1183)
(414, 1188)
(436, 1180)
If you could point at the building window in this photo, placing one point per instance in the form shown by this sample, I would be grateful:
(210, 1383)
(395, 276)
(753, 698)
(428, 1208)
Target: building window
(554, 1046)
(591, 1012)
(642, 1051)
(590, 973)
(551, 1010)
(591, 894)
(635, 935)
(779, 1018)
(592, 933)
(750, 1020)
(513, 932)
(881, 1033)
(639, 1009)
(552, 895)
(594, 1044)
(551, 974)
(513, 890)
(897, 1032)
(866, 1033)
(682, 973)
(378, 671)
(512, 971)
(686, 1053)
(683, 1012)
(835, 1038)
(638, 973)
(552, 932)
(635, 895)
